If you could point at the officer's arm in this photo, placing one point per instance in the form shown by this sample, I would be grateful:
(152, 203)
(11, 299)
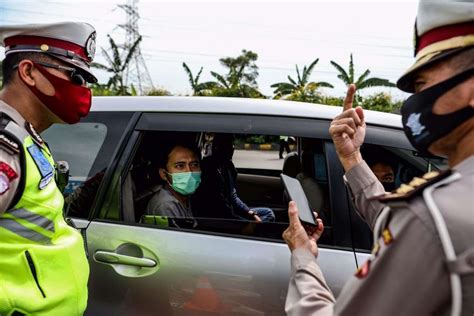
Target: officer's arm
(364, 186)
(308, 292)
(10, 174)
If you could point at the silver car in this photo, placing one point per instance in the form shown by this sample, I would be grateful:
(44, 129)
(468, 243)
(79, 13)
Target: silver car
(224, 265)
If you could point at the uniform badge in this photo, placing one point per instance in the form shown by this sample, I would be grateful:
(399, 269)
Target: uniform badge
(34, 134)
(363, 271)
(376, 249)
(43, 165)
(4, 184)
(8, 171)
(90, 46)
(387, 236)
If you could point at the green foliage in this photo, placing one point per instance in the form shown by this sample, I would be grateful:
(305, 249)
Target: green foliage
(300, 89)
(256, 139)
(330, 100)
(116, 65)
(381, 102)
(362, 82)
(158, 92)
(239, 81)
(101, 90)
(199, 89)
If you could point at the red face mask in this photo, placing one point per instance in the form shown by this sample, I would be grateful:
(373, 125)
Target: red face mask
(70, 101)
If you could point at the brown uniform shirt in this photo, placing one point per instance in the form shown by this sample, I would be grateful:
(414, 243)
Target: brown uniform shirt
(9, 159)
(407, 275)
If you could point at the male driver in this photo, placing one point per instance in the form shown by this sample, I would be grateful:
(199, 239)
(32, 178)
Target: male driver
(180, 170)
(43, 266)
(423, 257)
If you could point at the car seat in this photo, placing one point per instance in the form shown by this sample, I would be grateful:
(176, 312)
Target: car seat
(313, 190)
(291, 165)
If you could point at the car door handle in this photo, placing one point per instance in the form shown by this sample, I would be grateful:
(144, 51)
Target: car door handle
(115, 258)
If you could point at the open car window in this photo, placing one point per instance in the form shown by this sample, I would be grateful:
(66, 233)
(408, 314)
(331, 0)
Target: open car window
(256, 189)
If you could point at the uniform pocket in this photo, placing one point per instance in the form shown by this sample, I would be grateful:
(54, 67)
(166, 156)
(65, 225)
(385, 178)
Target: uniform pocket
(33, 271)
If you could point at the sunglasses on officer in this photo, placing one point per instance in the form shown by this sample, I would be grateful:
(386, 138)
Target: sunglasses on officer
(75, 76)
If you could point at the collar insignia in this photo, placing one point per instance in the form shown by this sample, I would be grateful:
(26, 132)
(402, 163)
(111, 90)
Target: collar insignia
(34, 134)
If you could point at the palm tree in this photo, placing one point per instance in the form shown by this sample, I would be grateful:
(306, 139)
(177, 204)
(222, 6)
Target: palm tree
(116, 65)
(240, 81)
(300, 89)
(198, 88)
(362, 82)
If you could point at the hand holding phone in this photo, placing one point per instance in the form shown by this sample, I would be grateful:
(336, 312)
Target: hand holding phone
(296, 193)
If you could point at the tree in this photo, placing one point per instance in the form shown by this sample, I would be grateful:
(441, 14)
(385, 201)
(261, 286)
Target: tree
(117, 65)
(159, 92)
(240, 80)
(362, 82)
(381, 102)
(198, 88)
(300, 89)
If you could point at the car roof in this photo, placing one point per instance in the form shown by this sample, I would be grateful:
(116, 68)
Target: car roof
(223, 105)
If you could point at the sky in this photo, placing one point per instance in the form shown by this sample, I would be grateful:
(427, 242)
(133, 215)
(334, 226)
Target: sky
(379, 34)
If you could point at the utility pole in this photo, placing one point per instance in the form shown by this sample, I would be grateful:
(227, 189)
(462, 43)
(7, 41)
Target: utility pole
(136, 73)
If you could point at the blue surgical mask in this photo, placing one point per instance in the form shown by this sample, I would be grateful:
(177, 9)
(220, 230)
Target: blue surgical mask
(185, 183)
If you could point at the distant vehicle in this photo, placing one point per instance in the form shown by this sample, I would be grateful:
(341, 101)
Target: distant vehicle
(229, 266)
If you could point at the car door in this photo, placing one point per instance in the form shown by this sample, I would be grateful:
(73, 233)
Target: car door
(139, 268)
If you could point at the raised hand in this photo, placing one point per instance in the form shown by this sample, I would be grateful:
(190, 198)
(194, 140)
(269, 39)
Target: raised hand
(347, 131)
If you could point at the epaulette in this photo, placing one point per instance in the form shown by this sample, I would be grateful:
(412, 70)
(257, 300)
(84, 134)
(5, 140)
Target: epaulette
(416, 186)
(7, 142)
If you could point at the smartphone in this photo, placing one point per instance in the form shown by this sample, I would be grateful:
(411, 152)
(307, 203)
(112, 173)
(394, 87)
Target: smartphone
(295, 191)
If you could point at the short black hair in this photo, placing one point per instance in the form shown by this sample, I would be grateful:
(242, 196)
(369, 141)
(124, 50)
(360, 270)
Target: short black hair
(14, 59)
(163, 158)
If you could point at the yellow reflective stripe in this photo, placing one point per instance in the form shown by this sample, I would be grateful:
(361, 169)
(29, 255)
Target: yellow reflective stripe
(25, 232)
(34, 218)
(32, 226)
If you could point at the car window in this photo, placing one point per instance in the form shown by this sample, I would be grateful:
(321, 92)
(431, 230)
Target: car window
(261, 152)
(403, 165)
(88, 147)
(77, 144)
(143, 188)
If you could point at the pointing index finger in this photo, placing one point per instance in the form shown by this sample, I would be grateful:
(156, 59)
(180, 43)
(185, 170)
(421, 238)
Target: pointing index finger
(349, 97)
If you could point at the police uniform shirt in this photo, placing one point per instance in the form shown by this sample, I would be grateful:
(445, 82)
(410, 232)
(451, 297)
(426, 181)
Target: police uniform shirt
(406, 273)
(10, 170)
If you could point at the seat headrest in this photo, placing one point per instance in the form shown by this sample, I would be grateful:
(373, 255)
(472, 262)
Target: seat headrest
(291, 165)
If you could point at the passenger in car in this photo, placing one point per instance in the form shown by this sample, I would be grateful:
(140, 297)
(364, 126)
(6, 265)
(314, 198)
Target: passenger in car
(384, 169)
(219, 176)
(384, 173)
(179, 169)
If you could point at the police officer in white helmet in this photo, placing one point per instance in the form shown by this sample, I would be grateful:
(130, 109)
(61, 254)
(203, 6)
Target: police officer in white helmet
(43, 265)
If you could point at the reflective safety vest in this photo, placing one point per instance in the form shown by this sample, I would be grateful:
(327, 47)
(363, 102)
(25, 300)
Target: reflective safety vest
(43, 265)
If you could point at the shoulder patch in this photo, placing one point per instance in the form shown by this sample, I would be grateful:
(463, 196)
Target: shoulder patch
(9, 144)
(8, 171)
(416, 186)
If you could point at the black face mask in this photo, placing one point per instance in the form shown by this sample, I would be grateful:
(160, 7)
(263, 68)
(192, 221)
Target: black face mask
(421, 125)
(388, 186)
